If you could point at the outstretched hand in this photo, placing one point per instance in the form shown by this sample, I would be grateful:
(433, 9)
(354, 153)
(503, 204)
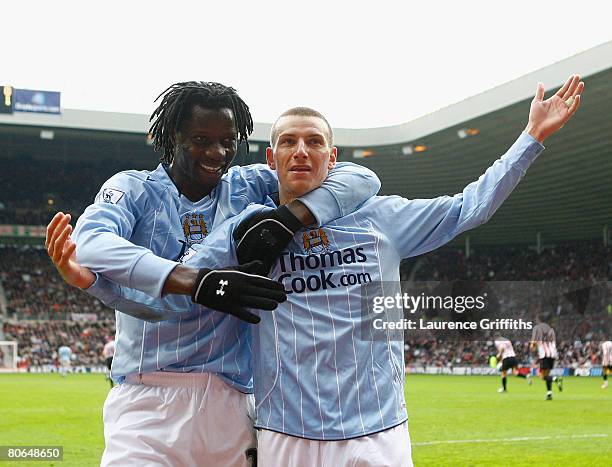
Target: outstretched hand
(62, 251)
(548, 116)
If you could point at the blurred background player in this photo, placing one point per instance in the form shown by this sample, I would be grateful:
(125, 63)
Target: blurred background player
(505, 354)
(107, 354)
(65, 355)
(543, 341)
(606, 362)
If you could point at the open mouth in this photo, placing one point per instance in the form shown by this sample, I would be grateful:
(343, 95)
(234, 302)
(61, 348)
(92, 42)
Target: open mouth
(213, 169)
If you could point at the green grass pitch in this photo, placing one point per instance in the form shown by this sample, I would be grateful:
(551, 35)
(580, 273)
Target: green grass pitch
(454, 420)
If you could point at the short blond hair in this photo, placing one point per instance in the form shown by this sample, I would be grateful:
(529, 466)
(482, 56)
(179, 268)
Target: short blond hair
(302, 112)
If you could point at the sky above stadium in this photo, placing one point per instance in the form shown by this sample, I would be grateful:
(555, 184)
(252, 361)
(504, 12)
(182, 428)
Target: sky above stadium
(367, 64)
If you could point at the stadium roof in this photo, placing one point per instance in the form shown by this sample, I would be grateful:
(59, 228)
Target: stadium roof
(585, 63)
(566, 195)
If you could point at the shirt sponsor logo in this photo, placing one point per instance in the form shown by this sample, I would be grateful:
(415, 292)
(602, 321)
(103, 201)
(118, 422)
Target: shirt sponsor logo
(312, 267)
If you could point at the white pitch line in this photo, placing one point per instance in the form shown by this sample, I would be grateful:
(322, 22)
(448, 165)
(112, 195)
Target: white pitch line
(508, 440)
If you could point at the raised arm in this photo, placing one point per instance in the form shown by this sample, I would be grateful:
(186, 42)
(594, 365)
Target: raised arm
(62, 251)
(242, 288)
(546, 117)
(422, 225)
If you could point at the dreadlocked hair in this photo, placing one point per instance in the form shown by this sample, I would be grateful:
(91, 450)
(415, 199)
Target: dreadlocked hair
(176, 106)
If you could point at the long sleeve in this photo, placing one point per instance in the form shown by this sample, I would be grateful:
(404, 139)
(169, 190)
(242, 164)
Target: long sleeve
(138, 304)
(421, 225)
(105, 235)
(346, 187)
(216, 252)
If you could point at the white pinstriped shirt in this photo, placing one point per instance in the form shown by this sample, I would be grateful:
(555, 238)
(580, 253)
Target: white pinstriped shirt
(606, 350)
(504, 347)
(320, 371)
(544, 337)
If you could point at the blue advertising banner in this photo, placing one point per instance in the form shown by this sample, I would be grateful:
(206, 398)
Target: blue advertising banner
(27, 100)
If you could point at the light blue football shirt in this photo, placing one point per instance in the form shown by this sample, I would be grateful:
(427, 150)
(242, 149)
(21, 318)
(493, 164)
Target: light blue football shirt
(316, 374)
(140, 226)
(64, 352)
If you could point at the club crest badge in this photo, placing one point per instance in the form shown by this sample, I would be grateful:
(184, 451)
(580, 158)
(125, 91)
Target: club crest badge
(194, 228)
(315, 241)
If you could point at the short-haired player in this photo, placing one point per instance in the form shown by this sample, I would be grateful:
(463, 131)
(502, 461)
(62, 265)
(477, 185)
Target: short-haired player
(543, 341)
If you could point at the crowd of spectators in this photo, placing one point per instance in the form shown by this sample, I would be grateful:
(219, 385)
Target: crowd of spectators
(567, 262)
(40, 307)
(38, 341)
(440, 353)
(579, 326)
(69, 186)
(34, 290)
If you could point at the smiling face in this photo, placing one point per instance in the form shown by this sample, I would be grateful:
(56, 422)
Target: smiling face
(301, 155)
(206, 144)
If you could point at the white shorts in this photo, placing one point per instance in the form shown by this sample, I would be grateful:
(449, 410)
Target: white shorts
(177, 419)
(386, 448)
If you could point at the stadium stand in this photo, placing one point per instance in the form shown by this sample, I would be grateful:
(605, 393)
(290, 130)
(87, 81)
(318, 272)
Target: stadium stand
(550, 229)
(37, 188)
(565, 262)
(42, 310)
(34, 290)
(38, 341)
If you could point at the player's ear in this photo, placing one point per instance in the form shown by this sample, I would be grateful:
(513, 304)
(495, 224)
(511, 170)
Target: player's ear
(333, 155)
(270, 158)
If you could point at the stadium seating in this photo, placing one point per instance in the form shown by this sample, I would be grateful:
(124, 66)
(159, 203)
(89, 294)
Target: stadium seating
(72, 186)
(34, 290)
(41, 310)
(38, 341)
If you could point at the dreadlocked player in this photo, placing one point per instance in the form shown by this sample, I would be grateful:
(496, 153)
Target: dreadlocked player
(183, 396)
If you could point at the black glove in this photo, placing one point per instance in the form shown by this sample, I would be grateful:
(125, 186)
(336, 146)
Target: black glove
(232, 290)
(264, 236)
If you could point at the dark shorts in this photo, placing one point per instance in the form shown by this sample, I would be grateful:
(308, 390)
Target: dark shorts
(547, 363)
(108, 362)
(508, 363)
(608, 367)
